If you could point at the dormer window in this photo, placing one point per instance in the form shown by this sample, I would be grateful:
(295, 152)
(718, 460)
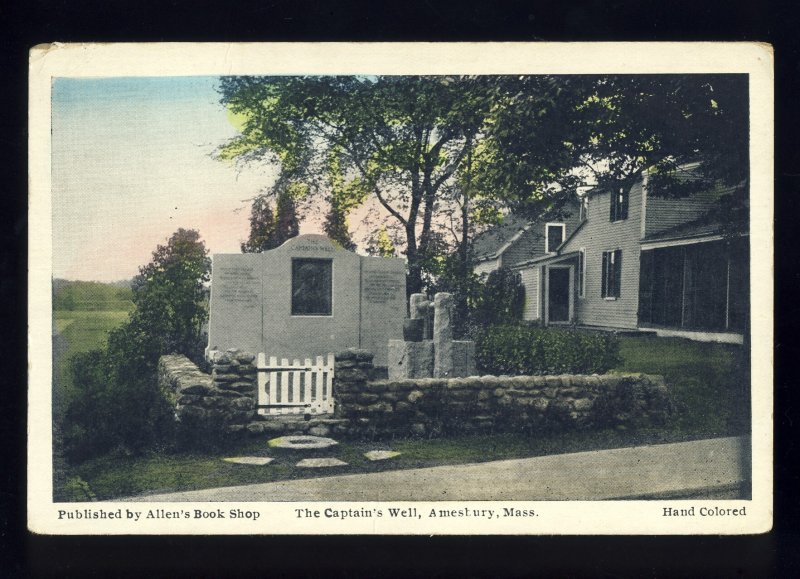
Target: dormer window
(554, 236)
(619, 204)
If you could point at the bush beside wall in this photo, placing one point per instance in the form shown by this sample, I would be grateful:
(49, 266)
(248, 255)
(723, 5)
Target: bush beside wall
(529, 350)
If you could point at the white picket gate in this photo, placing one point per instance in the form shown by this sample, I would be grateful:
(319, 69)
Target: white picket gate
(296, 388)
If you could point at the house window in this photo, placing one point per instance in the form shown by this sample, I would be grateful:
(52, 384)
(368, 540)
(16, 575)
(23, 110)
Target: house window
(554, 236)
(619, 204)
(581, 272)
(612, 274)
(584, 210)
(312, 287)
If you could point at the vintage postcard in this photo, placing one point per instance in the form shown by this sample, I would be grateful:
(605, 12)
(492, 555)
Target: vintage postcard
(345, 288)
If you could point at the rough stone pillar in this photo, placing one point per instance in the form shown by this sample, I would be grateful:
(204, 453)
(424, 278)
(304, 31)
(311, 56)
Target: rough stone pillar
(418, 305)
(419, 308)
(443, 335)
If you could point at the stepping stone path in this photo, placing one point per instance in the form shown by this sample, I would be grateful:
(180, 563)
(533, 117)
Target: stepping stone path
(381, 454)
(302, 442)
(320, 463)
(254, 460)
(306, 444)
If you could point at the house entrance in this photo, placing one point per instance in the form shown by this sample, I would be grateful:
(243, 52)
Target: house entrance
(558, 293)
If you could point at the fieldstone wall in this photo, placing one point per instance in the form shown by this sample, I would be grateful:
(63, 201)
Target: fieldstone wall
(367, 406)
(433, 407)
(223, 400)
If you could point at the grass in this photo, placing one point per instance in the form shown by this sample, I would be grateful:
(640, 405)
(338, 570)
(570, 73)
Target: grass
(709, 382)
(80, 331)
(706, 380)
(112, 477)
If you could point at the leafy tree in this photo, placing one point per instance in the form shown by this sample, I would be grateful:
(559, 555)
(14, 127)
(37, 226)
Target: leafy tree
(397, 139)
(607, 130)
(335, 227)
(170, 296)
(381, 245)
(117, 402)
(345, 195)
(502, 299)
(271, 228)
(440, 154)
(262, 227)
(287, 224)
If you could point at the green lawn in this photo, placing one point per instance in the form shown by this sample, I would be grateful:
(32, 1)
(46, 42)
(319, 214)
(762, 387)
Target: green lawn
(709, 382)
(80, 331)
(705, 379)
(114, 476)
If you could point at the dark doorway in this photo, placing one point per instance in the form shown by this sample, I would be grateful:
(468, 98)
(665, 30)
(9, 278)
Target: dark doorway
(558, 295)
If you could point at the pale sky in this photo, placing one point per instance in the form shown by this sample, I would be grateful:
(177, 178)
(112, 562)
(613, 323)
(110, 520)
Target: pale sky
(131, 163)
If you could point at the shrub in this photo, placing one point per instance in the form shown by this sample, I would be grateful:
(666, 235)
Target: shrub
(518, 349)
(117, 405)
(499, 299)
(502, 299)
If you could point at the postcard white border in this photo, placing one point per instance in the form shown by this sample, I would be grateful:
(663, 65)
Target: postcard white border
(185, 59)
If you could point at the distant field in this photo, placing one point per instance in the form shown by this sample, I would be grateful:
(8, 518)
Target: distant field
(90, 295)
(80, 331)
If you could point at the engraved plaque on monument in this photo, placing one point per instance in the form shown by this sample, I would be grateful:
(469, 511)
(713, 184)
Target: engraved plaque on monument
(236, 302)
(383, 304)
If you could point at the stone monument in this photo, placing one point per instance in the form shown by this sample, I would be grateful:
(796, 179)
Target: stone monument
(436, 355)
(306, 298)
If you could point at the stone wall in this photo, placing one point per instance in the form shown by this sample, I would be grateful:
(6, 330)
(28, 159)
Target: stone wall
(223, 400)
(369, 407)
(433, 407)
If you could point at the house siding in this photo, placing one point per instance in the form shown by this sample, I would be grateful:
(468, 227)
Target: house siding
(487, 266)
(530, 279)
(662, 214)
(531, 243)
(598, 235)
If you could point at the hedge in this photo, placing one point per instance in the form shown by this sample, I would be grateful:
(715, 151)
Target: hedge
(527, 350)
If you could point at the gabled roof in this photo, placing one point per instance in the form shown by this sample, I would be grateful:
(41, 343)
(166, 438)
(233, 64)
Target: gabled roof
(493, 242)
(548, 258)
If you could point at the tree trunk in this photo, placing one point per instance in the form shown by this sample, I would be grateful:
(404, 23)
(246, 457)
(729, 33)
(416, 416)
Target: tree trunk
(414, 279)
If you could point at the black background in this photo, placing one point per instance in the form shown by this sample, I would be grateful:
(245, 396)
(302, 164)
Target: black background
(27, 23)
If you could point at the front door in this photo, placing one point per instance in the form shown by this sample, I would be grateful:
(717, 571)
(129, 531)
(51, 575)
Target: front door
(558, 288)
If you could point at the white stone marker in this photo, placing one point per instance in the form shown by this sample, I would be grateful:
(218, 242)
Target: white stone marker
(381, 454)
(320, 463)
(253, 460)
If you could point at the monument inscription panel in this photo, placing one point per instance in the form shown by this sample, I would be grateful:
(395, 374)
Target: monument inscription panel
(240, 285)
(381, 287)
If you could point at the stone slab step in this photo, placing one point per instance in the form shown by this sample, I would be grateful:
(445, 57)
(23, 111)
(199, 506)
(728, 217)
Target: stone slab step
(320, 463)
(381, 454)
(302, 443)
(252, 460)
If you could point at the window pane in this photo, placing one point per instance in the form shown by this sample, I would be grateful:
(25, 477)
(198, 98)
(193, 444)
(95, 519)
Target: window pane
(312, 285)
(619, 204)
(555, 236)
